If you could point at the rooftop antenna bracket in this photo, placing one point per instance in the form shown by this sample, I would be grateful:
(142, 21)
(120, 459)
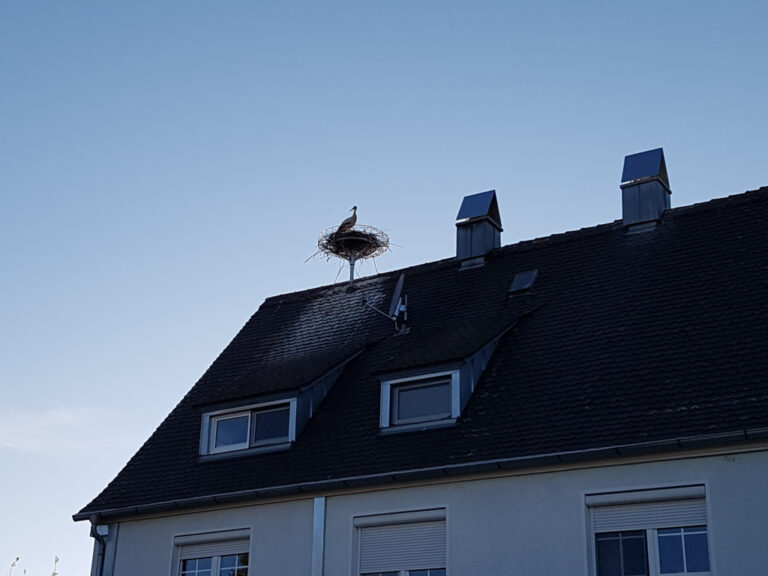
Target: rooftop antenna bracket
(400, 308)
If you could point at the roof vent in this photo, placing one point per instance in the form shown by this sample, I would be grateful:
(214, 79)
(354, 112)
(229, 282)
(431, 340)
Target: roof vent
(645, 192)
(523, 281)
(478, 228)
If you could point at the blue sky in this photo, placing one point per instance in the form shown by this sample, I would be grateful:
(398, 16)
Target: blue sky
(164, 167)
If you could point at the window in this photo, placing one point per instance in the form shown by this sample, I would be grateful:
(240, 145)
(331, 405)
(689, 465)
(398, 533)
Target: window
(227, 565)
(421, 401)
(222, 553)
(416, 402)
(263, 425)
(650, 532)
(683, 550)
(402, 544)
(230, 432)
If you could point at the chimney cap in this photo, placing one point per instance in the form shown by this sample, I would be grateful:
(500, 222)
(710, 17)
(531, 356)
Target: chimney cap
(648, 165)
(481, 206)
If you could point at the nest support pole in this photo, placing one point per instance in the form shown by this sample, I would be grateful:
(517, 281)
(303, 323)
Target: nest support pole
(351, 261)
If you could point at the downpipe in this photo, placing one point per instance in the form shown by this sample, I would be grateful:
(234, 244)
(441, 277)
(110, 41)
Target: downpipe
(99, 533)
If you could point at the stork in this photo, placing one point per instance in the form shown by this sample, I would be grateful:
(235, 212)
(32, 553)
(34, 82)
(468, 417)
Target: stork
(349, 222)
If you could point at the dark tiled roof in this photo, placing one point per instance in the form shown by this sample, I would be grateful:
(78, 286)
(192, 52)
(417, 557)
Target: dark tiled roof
(624, 339)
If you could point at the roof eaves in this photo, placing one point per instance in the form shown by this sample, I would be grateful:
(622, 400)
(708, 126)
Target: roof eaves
(750, 436)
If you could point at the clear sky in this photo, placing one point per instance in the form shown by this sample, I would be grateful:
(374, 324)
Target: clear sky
(165, 166)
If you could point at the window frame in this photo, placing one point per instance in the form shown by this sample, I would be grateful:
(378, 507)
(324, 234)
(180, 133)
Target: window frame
(216, 567)
(683, 532)
(693, 495)
(214, 545)
(390, 398)
(254, 422)
(213, 432)
(210, 419)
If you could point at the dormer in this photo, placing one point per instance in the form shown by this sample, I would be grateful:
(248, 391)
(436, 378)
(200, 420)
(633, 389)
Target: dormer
(431, 397)
(264, 423)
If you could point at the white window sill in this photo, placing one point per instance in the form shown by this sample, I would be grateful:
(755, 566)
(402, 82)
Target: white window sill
(246, 451)
(397, 428)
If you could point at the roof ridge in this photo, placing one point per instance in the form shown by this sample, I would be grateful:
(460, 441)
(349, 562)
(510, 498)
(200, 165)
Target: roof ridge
(588, 230)
(554, 238)
(745, 196)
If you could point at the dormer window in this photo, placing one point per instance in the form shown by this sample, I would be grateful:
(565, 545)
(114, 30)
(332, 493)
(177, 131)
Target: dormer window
(265, 426)
(418, 402)
(230, 432)
(421, 401)
(271, 424)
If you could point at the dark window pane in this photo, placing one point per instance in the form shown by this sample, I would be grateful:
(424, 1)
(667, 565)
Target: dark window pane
(418, 573)
(231, 431)
(608, 554)
(271, 424)
(228, 561)
(671, 551)
(437, 572)
(696, 552)
(227, 572)
(243, 559)
(196, 567)
(423, 402)
(241, 572)
(634, 552)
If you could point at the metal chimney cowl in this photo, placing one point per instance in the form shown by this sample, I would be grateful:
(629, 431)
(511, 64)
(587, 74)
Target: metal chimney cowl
(478, 228)
(645, 191)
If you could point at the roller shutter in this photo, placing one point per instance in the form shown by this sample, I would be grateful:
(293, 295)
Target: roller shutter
(411, 546)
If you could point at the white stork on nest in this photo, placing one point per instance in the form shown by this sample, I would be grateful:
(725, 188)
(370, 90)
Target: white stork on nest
(349, 222)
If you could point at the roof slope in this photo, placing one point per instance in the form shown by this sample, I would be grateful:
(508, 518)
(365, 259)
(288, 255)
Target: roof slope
(624, 339)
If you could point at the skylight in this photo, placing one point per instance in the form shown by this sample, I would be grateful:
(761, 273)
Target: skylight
(523, 281)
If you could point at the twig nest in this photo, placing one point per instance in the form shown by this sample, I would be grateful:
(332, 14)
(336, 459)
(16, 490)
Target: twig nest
(360, 242)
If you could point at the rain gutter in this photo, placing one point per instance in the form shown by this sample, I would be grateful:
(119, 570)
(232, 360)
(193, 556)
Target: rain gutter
(437, 472)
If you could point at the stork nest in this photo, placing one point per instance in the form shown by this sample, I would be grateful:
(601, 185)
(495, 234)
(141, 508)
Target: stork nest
(360, 242)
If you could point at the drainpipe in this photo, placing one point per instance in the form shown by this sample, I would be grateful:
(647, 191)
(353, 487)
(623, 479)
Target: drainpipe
(318, 537)
(99, 533)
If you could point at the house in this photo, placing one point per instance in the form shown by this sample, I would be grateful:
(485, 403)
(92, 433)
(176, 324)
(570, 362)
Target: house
(591, 403)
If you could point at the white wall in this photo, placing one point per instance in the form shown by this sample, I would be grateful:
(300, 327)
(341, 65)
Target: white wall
(537, 524)
(526, 524)
(281, 538)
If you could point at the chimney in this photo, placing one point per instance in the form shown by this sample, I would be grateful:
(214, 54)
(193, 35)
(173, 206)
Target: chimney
(644, 189)
(478, 228)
